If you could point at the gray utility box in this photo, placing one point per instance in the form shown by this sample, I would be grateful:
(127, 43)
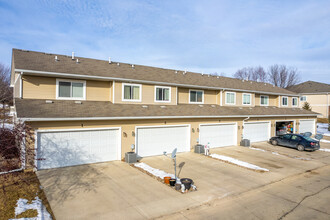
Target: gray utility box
(130, 157)
(199, 149)
(245, 143)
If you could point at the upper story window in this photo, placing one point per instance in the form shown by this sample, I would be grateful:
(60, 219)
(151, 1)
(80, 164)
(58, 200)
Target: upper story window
(196, 96)
(294, 101)
(246, 99)
(70, 89)
(284, 101)
(163, 94)
(303, 98)
(132, 92)
(230, 98)
(264, 100)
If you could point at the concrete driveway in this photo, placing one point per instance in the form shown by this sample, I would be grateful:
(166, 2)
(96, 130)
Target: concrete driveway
(118, 191)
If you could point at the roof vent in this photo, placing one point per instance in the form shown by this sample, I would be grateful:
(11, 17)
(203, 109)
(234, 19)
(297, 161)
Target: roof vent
(218, 77)
(118, 64)
(163, 106)
(208, 75)
(56, 58)
(202, 73)
(176, 71)
(49, 101)
(265, 84)
(144, 106)
(213, 106)
(201, 106)
(77, 61)
(109, 60)
(243, 80)
(250, 108)
(251, 82)
(132, 66)
(274, 107)
(72, 57)
(266, 107)
(184, 72)
(78, 102)
(273, 85)
(240, 108)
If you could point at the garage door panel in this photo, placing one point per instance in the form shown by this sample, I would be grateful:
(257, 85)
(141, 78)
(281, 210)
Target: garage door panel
(68, 148)
(218, 135)
(256, 131)
(307, 126)
(155, 140)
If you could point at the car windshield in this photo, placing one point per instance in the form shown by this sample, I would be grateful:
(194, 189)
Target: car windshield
(309, 139)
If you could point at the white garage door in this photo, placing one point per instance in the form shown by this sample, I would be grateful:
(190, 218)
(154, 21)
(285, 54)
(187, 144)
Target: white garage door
(307, 126)
(218, 135)
(75, 147)
(256, 131)
(152, 141)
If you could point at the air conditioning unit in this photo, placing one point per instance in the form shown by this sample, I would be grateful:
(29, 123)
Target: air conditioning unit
(245, 143)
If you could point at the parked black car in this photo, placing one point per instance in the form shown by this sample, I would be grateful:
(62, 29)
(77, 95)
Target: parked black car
(297, 141)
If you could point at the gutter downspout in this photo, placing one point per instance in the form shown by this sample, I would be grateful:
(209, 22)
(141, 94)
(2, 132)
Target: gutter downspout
(243, 126)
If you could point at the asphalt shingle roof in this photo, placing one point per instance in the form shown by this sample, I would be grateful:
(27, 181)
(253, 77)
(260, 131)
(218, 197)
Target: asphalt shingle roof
(38, 61)
(310, 87)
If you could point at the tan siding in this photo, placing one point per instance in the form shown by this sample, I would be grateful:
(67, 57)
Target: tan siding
(210, 96)
(273, 100)
(17, 87)
(98, 90)
(148, 95)
(319, 104)
(239, 99)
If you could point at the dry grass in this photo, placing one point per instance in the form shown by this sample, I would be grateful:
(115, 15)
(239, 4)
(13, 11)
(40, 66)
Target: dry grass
(24, 185)
(322, 120)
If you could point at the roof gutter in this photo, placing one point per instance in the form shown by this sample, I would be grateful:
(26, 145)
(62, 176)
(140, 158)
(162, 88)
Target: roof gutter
(35, 72)
(159, 117)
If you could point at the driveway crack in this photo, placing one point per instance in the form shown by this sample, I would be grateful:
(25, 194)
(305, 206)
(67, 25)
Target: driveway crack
(305, 197)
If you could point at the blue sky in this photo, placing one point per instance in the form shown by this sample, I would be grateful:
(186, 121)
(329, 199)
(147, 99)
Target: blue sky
(204, 36)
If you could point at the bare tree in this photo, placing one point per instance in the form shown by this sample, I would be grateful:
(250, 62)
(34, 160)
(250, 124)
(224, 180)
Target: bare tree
(6, 94)
(283, 76)
(252, 73)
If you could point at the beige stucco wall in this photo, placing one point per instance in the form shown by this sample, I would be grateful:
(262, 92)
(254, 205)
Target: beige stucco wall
(320, 103)
(37, 87)
(148, 94)
(210, 96)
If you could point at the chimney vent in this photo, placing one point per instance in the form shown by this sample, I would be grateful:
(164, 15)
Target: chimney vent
(56, 58)
(73, 55)
(132, 66)
(109, 60)
(77, 61)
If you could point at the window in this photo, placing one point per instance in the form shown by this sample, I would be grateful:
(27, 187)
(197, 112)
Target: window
(295, 138)
(163, 94)
(303, 98)
(246, 99)
(264, 100)
(196, 96)
(287, 136)
(230, 98)
(284, 101)
(294, 101)
(131, 92)
(70, 89)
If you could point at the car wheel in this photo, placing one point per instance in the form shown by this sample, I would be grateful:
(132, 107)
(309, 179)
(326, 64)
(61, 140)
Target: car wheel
(301, 148)
(274, 142)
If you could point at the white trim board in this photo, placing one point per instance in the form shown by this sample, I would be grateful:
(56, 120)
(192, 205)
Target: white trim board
(70, 75)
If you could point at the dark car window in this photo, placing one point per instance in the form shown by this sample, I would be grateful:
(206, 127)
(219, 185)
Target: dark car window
(287, 136)
(295, 138)
(310, 139)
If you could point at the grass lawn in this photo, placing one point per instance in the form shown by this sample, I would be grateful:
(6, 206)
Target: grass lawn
(23, 185)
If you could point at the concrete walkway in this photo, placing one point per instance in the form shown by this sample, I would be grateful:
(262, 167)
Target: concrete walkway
(118, 191)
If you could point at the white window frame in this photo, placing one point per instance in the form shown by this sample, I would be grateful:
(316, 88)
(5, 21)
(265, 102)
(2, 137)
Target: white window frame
(234, 98)
(292, 101)
(267, 100)
(163, 87)
(302, 100)
(287, 103)
(131, 100)
(71, 81)
(250, 98)
(195, 90)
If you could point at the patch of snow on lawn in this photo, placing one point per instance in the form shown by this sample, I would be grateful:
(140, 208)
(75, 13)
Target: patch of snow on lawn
(8, 126)
(253, 148)
(322, 128)
(324, 141)
(22, 206)
(156, 172)
(275, 153)
(238, 162)
(324, 149)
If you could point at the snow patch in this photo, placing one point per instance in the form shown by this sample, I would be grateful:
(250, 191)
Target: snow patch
(324, 141)
(238, 162)
(324, 149)
(253, 148)
(275, 153)
(156, 172)
(322, 128)
(22, 206)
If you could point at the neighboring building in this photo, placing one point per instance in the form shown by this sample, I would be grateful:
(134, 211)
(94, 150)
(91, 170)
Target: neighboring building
(316, 94)
(86, 110)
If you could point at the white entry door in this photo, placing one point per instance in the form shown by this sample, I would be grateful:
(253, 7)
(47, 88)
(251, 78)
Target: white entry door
(76, 147)
(256, 131)
(218, 135)
(307, 125)
(152, 141)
